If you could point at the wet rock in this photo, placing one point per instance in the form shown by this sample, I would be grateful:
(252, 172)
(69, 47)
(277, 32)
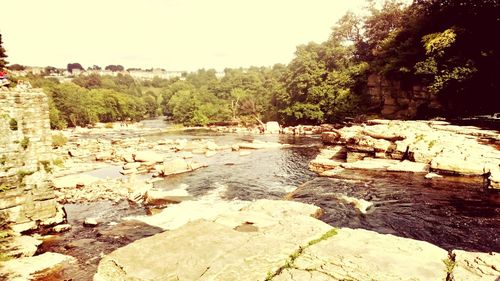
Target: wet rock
(162, 197)
(432, 176)
(370, 164)
(476, 266)
(61, 228)
(410, 167)
(29, 268)
(360, 204)
(90, 222)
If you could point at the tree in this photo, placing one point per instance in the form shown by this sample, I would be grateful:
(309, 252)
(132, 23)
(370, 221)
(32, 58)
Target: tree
(3, 55)
(114, 68)
(16, 67)
(73, 66)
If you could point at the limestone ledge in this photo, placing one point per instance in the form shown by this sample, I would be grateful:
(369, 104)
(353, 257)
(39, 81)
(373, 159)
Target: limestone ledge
(281, 240)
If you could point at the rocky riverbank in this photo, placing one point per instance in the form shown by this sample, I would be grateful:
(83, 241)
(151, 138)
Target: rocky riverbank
(281, 240)
(433, 148)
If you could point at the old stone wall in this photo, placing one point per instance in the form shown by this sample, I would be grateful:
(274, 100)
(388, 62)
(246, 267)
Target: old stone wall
(26, 195)
(391, 99)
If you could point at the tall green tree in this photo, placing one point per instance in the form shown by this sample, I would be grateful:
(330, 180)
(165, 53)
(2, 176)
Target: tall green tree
(3, 55)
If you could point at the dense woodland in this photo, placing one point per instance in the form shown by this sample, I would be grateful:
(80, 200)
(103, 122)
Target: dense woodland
(448, 45)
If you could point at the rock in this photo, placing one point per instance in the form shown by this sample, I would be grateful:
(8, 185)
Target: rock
(148, 156)
(61, 228)
(90, 222)
(370, 164)
(360, 204)
(131, 166)
(457, 165)
(357, 254)
(128, 157)
(176, 166)
(103, 156)
(408, 166)
(356, 156)
(72, 181)
(212, 250)
(235, 147)
(23, 246)
(330, 137)
(332, 172)
(272, 127)
(162, 197)
(186, 154)
(283, 208)
(210, 145)
(210, 153)
(256, 144)
(432, 175)
(128, 172)
(320, 165)
(494, 178)
(30, 267)
(476, 266)
(245, 153)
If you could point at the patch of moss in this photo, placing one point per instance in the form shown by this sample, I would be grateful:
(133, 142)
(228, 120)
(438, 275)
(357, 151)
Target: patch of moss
(59, 140)
(325, 236)
(46, 166)
(25, 142)
(58, 162)
(23, 173)
(13, 124)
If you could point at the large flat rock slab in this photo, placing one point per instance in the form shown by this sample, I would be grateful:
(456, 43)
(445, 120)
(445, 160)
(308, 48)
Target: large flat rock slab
(204, 250)
(357, 254)
(476, 266)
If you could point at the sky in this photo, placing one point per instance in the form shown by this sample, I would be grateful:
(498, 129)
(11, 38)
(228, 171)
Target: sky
(172, 34)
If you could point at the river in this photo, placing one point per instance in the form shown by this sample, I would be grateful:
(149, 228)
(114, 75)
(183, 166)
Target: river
(450, 213)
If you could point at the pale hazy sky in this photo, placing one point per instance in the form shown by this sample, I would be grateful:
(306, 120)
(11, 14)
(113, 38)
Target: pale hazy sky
(172, 34)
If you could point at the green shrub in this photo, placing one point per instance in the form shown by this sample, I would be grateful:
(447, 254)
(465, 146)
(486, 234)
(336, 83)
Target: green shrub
(46, 166)
(59, 140)
(108, 126)
(25, 142)
(58, 162)
(13, 124)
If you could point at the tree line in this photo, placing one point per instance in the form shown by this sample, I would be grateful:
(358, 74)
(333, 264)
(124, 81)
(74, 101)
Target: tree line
(446, 45)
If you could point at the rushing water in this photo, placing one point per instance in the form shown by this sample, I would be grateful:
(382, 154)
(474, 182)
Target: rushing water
(450, 213)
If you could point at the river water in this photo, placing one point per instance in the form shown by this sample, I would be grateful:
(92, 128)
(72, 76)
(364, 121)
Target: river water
(450, 213)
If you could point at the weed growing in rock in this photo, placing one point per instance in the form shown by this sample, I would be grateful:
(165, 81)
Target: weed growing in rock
(25, 143)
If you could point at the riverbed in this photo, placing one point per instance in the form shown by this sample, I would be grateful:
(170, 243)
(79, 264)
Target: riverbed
(451, 213)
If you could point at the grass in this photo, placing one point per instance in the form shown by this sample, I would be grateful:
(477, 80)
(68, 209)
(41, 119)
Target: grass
(23, 173)
(58, 162)
(290, 261)
(46, 166)
(13, 124)
(25, 142)
(3, 159)
(3, 187)
(59, 140)
(108, 125)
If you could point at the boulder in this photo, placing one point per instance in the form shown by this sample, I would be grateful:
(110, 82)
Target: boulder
(432, 176)
(330, 137)
(178, 166)
(23, 246)
(476, 266)
(235, 147)
(272, 127)
(210, 153)
(320, 165)
(61, 228)
(90, 222)
(103, 156)
(148, 156)
(30, 268)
